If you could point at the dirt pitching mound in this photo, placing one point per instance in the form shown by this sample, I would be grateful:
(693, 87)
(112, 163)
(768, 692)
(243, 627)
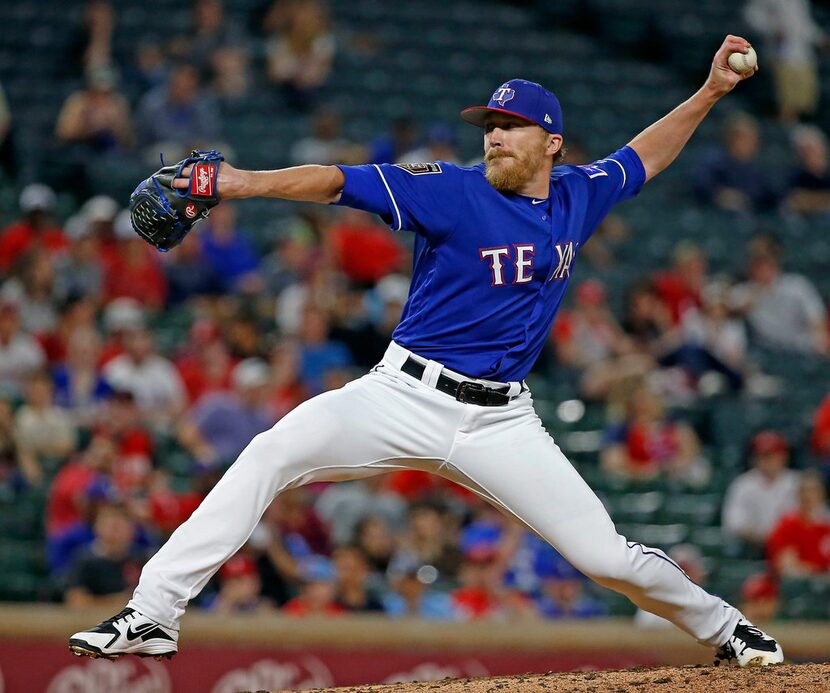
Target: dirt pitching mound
(783, 678)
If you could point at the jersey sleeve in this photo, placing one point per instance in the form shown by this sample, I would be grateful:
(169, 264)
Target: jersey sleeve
(424, 198)
(608, 182)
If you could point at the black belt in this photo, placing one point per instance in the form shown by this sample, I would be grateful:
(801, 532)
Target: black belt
(463, 390)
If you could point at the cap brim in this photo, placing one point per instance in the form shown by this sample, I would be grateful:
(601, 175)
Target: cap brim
(476, 115)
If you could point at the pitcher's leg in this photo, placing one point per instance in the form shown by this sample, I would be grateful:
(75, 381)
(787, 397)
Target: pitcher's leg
(342, 434)
(516, 465)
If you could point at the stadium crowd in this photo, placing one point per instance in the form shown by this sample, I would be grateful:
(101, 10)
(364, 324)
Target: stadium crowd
(99, 393)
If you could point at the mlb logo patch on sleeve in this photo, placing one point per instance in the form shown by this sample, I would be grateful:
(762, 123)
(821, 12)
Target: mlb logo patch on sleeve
(420, 169)
(594, 171)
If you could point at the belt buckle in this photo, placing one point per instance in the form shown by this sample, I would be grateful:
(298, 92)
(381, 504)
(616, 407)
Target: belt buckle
(466, 386)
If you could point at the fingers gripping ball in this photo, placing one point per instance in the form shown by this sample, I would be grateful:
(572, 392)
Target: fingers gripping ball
(743, 62)
(163, 215)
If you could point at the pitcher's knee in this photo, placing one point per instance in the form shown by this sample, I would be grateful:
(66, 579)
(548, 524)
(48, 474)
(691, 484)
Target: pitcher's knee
(608, 565)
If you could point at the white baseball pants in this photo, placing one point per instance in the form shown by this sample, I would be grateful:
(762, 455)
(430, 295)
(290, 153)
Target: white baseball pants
(388, 420)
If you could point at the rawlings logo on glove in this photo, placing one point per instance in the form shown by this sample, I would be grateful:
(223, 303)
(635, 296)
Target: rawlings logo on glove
(163, 215)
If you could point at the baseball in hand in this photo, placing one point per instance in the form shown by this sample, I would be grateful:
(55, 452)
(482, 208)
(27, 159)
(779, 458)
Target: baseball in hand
(743, 62)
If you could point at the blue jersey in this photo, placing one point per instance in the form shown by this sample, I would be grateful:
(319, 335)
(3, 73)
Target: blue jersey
(490, 268)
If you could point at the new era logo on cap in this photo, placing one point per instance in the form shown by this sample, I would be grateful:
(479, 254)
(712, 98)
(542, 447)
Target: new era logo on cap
(524, 99)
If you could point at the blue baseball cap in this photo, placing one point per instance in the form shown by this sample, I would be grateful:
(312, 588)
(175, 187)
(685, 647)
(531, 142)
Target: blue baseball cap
(527, 100)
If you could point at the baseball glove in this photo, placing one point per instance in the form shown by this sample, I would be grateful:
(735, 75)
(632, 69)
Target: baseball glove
(163, 215)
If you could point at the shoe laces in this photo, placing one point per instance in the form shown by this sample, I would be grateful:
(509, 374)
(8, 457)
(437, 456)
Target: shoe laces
(124, 615)
(750, 630)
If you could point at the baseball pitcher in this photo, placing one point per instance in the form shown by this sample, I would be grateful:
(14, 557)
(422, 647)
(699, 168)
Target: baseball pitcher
(495, 247)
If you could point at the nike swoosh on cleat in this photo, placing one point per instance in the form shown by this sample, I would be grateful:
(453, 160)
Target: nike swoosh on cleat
(139, 631)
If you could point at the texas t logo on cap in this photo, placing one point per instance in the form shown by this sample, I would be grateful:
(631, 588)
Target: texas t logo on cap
(503, 94)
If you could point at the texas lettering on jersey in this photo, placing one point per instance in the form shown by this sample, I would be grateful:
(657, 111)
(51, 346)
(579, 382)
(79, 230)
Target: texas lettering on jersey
(521, 258)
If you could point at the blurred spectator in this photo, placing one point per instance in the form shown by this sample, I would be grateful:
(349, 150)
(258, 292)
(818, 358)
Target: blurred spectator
(169, 508)
(759, 598)
(135, 270)
(179, 116)
(149, 68)
(8, 162)
(351, 325)
(32, 285)
(734, 177)
(279, 570)
(45, 430)
(211, 31)
(390, 147)
(799, 545)
(222, 424)
(243, 333)
(80, 388)
(325, 144)
(317, 593)
(690, 560)
(240, 586)
(205, 367)
(756, 499)
(439, 146)
(365, 251)
(96, 118)
(784, 309)
(18, 466)
(287, 389)
(92, 47)
(392, 293)
(318, 353)
(716, 329)
(293, 516)
(608, 241)
(78, 272)
(564, 596)
(300, 52)
(107, 572)
(152, 379)
(186, 273)
(20, 354)
(75, 489)
(351, 583)
(121, 422)
(428, 541)
(228, 252)
(75, 312)
(231, 78)
(293, 258)
(650, 443)
(373, 537)
(482, 594)
(587, 337)
(121, 317)
(791, 37)
(411, 594)
(820, 442)
(346, 505)
(809, 186)
(34, 228)
(98, 214)
(647, 319)
(681, 287)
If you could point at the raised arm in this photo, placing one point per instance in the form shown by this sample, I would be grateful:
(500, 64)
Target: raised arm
(659, 144)
(301, 183)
